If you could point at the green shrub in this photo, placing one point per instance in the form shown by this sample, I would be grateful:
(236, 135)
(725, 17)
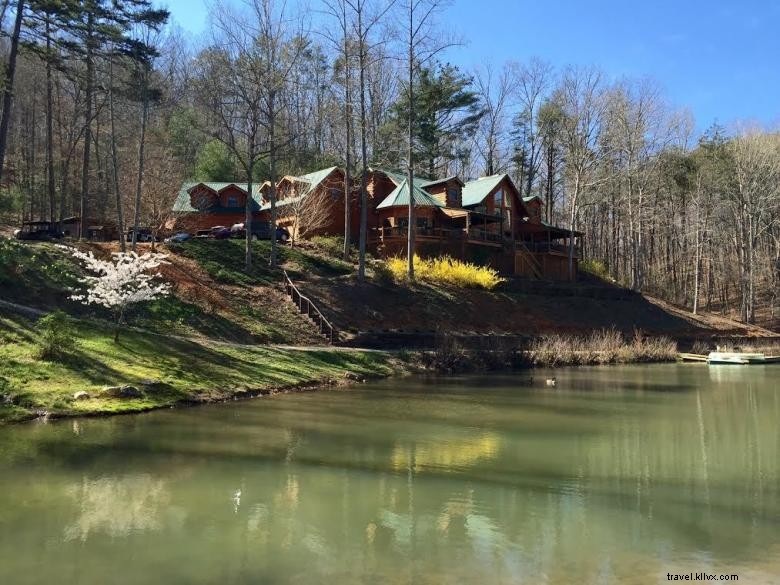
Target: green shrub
(6, 390)
(55, 332)
(382, 273)
(331, 245)
(596, 268)
(446, 270)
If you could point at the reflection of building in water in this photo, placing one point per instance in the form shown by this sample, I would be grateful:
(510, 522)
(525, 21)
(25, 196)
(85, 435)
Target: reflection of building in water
(116, 506)
(453, 454)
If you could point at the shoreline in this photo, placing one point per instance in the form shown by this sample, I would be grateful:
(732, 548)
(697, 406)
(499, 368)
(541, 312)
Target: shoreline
(419, 362)
(238, 394)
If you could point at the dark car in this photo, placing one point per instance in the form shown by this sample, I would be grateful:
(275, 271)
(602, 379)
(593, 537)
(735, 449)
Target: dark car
(203, 234)
(282, 234)
(261, 230)
(220, 232)
(143, 235)
(39, 231)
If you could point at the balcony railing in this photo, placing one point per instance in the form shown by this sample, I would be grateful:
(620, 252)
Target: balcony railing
(473, 234)
(383, 233)
(547, 248)
(485, 235)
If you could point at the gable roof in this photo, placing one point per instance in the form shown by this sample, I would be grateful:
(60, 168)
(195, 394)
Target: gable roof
(399, 177)
(444, 180)
(315, 178)
(183, 204)
(400, 196)
(531, 198)
(474, 192)
(312, 180)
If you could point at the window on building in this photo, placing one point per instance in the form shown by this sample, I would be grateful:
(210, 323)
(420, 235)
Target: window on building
(232, 201)
(498, 198)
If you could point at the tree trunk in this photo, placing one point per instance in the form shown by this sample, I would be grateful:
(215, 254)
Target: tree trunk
(572, 219)
(410, 173)
(363, 153)
(50, 129)
(348, 158)
(248, 210)
(696, 270)
(84, 203)
(114, 159)
(272, 171)
(8, 87)
(142, 143)
(118, 324)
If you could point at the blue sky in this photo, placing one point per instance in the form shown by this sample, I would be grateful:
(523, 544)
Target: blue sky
(720, 59)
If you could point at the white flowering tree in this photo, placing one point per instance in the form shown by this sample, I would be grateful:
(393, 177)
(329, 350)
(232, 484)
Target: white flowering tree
(120, 282)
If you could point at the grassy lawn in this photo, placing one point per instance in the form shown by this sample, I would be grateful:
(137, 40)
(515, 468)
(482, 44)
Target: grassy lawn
(214, 297)
(223, 260)
(186, 371)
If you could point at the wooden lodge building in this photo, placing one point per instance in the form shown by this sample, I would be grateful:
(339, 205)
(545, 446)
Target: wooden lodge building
(484, 221)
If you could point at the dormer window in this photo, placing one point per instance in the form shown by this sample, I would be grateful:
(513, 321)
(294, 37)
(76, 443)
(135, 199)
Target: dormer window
(232, 201)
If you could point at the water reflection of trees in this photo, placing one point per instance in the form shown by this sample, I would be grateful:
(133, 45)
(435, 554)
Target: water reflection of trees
(607, 483)
(118, 506)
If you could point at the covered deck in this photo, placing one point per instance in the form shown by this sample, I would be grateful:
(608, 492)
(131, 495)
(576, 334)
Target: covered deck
(542, 251)
(442, 225)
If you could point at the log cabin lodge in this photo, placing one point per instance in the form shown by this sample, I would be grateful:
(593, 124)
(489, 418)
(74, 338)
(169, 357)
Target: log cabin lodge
(484, 221)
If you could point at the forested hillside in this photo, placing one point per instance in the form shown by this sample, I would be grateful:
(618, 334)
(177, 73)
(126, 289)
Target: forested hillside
(108, 106)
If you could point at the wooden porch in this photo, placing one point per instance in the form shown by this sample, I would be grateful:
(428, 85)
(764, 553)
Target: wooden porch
(472, 235)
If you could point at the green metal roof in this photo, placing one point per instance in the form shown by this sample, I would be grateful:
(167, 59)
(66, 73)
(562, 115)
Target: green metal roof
(444, 180)
(400, 197)
(474, 192)
(313, 180)
(399, 177)
(183, 205)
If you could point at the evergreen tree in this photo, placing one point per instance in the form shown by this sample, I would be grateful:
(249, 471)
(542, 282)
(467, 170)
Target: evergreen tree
(446, 110)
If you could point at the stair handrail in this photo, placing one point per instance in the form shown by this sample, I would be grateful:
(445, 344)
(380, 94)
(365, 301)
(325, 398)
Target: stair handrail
(520, 245)
(322, 322)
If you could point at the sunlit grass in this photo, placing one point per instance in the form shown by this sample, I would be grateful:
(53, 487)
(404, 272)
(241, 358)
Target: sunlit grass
(185, 370)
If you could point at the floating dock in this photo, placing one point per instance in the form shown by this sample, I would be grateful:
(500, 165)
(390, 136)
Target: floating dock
(730, 358)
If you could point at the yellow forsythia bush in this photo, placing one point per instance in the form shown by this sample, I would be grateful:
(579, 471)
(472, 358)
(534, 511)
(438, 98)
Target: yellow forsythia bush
(446, 270)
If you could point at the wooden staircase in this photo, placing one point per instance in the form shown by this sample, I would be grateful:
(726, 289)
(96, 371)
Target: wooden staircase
(307, 307)
(536, 268)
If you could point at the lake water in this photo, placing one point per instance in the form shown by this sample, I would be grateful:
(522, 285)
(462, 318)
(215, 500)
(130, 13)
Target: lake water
(616, 475)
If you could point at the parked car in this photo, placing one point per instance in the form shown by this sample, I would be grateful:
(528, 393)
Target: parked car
(200, 234)
(261, 230)
(178, 238)
(143, 235)
(220, 232)
(282, 234)
(39, 231)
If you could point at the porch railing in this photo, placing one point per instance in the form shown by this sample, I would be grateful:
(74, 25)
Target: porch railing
(305, 305)
(546, 248)
(440, 233)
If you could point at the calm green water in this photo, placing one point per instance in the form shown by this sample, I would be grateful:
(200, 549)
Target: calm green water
(618, 475)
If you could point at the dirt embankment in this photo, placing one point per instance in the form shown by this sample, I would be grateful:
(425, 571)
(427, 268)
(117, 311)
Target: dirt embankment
(215, 298)
(516, 309)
